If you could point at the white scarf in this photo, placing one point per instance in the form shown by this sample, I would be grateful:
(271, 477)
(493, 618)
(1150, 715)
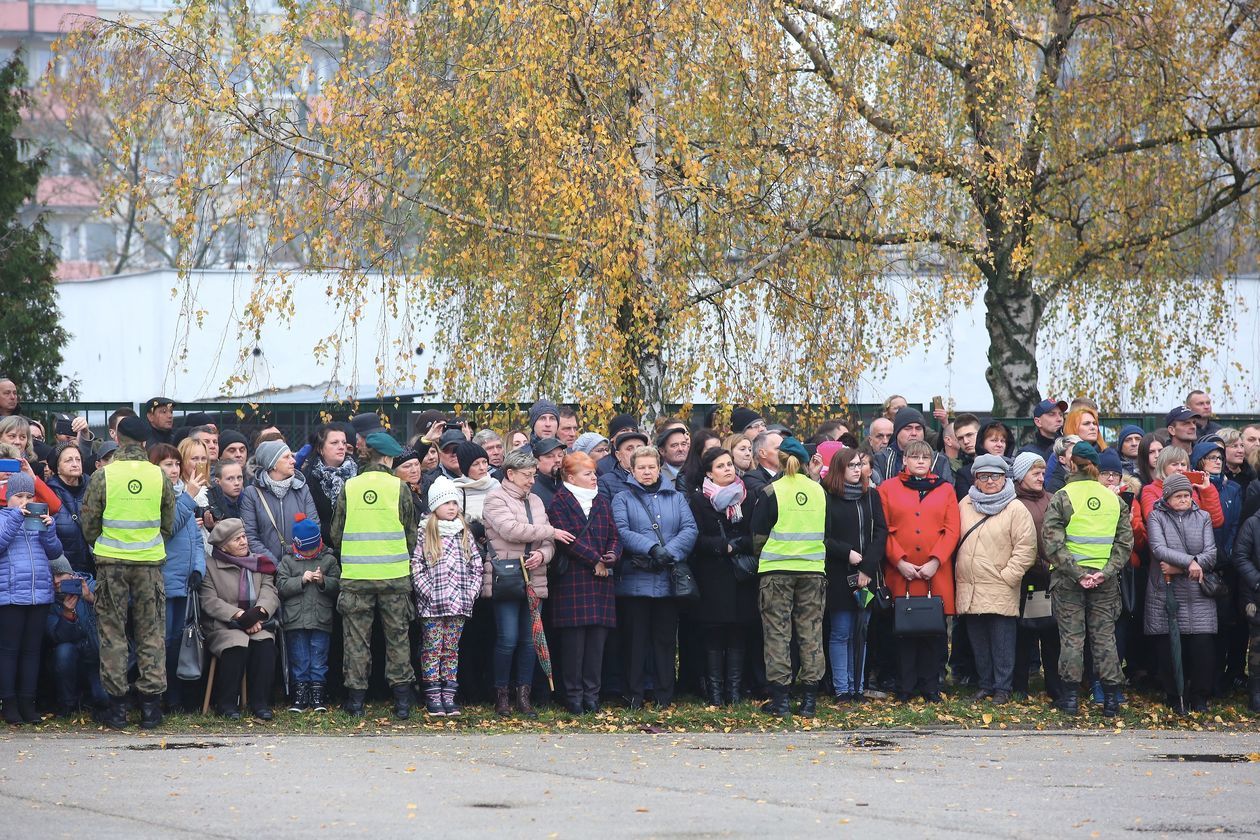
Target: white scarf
(475, 494)
(450, 527)
(584, 495)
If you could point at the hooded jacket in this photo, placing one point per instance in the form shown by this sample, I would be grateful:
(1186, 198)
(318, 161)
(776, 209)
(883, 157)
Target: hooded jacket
(1177, 538)
(25, 576)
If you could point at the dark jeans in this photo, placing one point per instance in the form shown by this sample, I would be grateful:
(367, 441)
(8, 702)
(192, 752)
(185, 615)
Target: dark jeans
(920, 660)
(1027, 643)
(258, 663)
(582, 662)
(993, 643)
(1198, 658)
(21, 631)
(75, 666)
(650, 623)
(308, 654)
(513, 640)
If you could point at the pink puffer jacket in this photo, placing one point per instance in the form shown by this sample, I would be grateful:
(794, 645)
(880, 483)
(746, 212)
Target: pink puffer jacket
(510, 530)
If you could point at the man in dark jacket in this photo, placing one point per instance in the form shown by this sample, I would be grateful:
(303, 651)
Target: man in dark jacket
(1048, 423)
(765, 464)
(1201, 404)
(617, 425)
(908, 425)
(159, 415)
(624, 444)
(73, 642)
(550, 453)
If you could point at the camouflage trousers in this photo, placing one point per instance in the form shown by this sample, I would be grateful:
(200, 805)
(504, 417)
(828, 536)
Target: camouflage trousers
(1090, 613)
(359, 603)
(793, 602)
(138, 588)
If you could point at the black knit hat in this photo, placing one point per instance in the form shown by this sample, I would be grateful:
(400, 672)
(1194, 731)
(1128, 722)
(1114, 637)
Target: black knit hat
(622, 422)
(742, 418)
(467, 453)
(905, 417)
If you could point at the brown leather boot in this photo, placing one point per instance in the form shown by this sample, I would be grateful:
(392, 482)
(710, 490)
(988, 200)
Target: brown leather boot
(502, 707)
(522, 702)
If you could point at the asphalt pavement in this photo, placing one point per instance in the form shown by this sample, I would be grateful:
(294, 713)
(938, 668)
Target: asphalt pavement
(938, 784)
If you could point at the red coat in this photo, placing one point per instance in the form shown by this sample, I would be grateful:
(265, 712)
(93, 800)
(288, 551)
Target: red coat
(1209, 500)
(918, 530)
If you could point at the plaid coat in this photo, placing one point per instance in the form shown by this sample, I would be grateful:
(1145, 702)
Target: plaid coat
(578, 598)
(451, 585)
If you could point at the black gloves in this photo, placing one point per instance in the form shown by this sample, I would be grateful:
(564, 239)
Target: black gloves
(661, 556)
(250, 617)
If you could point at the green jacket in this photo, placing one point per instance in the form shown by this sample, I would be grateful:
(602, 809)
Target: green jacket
(406, 512)
(93, 511)
(1054, 538)
(308, 606)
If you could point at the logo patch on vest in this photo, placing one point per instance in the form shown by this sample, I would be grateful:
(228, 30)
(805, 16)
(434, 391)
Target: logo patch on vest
(1094, 503)
(369, 497)
(802, 499)
(134, 486)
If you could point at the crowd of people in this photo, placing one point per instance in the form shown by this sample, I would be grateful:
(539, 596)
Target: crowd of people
(742, 560)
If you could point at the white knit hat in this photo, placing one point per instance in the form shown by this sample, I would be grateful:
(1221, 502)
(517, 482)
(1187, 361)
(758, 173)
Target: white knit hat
(443, 490)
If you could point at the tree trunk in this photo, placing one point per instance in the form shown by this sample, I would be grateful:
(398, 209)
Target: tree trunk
(647, 356)
(1013, 312)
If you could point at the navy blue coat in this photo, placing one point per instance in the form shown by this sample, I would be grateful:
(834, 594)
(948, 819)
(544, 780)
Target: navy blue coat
(73, 543)
(613, 482)
(25, 576)
(670, 510)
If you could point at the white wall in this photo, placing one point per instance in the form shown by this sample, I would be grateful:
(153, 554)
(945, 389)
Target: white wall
(125, 328)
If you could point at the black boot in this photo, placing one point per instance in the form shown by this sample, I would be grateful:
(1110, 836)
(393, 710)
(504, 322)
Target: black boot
(319, 697)
(115, 715)
(26, 707)
(523, 704)
(354, 702)
(1068, 701)
(779, 703)
(402, 701)
(301, 698)
(502, 704)
(809, 703)
(1253, 690)
(1111, 700)
(150, 711)
(713, 676)
(734, 675)
(12, 715)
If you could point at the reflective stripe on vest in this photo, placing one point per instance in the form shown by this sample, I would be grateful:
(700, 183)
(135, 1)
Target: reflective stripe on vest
(132, 520)
(796, 540)
(373, 544)
(1092, 529)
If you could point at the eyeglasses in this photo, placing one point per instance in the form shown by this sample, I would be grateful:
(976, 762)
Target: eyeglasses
(1215, 456)
(991, 477)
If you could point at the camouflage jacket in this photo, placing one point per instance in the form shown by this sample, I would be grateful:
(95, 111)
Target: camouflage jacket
(93, 510)
(1054, 538)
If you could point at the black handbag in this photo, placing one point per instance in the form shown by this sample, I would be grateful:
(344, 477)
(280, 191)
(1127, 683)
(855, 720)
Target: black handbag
(919, 615)
(681, 579)
(743, 565)
(883, 595)
(507, 577)
(192, 644)
(1214, 586)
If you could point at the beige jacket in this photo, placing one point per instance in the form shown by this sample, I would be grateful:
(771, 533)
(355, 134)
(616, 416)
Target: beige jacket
(219, 589)
(510, 530)
(992, 561)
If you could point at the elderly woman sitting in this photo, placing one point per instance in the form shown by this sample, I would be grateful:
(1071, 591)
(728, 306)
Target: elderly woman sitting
(238, 596)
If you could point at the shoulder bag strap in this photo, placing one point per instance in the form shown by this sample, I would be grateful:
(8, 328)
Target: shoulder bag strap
(262, 500)
(655, 525)
(972, 530)
(529, 515)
